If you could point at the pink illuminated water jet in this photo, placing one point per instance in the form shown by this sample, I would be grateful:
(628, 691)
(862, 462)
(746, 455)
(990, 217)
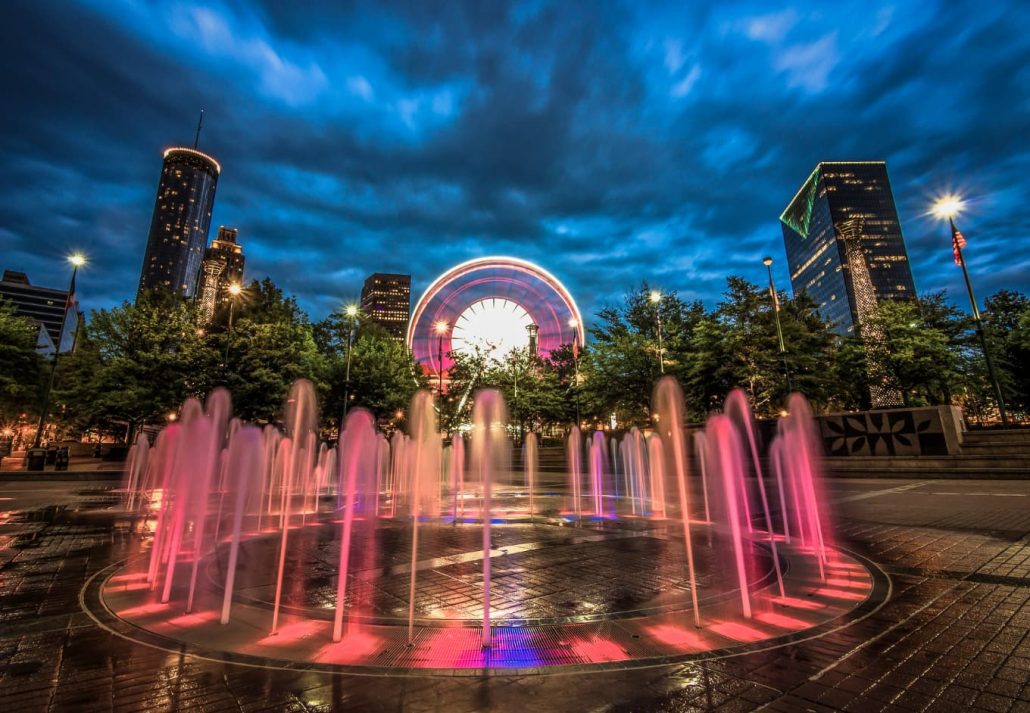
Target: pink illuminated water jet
(210, 486)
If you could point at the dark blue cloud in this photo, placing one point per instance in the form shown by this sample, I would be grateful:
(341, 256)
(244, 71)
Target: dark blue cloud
(611, 143)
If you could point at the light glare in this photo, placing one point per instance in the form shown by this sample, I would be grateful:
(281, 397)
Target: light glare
(947, 207)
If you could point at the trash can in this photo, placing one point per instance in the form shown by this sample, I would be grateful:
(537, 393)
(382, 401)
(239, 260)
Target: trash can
(35, 458)
(51, 454)
(61, 460)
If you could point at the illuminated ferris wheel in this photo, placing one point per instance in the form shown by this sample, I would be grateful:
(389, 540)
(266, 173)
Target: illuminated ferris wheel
(492, 305)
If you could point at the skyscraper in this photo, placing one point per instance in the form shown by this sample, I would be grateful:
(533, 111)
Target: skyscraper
(844, 243)
(181, 220)
(44, 305)
(386, 300)
(222, 266)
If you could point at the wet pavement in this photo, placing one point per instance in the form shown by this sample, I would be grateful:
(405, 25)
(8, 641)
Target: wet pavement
(954, 633)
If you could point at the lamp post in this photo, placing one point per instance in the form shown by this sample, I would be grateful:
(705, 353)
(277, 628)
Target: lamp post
(947, 207)
(234, 291)
(352, 316)
(440, 327)
(77, 260)
(656, 300)
(768, 261)
(574, 326)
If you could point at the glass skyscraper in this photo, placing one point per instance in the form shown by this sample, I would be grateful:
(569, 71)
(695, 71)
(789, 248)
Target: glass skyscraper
(844, 243)
(386, 300)
(182, 218)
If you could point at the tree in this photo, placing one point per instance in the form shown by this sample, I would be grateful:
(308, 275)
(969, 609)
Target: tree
(622, 364)
(22, 372)
(737, 347)
(383, 377)
(922, 351)
(1006, 319)
(849, 374)
(468, 372)
(146, 358)
(272, 345)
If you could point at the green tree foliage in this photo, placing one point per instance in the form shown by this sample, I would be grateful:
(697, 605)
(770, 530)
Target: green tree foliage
(923, 351)
(383, 377)
(271, 345)
(468, 372)
(742, 350)
(622, 364)
(1006, 319)
(22, 371)
(136, 363)
(535, 390)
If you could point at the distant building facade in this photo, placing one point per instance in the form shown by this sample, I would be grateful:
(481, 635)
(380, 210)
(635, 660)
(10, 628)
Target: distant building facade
(222, 266)
(386, 301)
(180, 223)
(844, 243)
(45, 306)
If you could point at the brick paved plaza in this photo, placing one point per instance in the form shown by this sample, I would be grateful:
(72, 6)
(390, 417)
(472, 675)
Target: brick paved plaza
(951, 634)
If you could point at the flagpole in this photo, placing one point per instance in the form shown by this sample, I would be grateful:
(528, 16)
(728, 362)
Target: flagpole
(979, 323)
(76, 261)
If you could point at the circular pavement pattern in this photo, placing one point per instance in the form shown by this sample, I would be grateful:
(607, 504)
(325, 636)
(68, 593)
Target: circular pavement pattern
(565, 596)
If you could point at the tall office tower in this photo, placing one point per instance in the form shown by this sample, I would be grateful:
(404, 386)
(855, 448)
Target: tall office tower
(846, 251)
(45, 306)
(844, 242)
(182, 218)
(222, 266)
(386, 300)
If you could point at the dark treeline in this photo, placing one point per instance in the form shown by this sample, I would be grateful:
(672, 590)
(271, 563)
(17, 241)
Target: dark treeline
(133, 365)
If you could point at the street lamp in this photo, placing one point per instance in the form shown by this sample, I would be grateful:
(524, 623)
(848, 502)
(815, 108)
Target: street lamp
(234, 290)
(352, 316)
(77, 260)
(946, 208)
(440, 327)
(656, 299)
(768, 261)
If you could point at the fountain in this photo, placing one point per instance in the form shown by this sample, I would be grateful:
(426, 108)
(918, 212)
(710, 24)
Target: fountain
(398, 549)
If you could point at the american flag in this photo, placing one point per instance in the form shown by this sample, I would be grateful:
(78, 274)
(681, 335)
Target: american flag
(70, 303)
(957, 243)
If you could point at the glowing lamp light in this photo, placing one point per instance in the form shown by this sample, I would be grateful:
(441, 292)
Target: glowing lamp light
(172, 415)
(767, 261)
(77, 259)
(655, 296)
(352, 311)
(440, 327)
(235, 289)
(947, 207)
(573, 323)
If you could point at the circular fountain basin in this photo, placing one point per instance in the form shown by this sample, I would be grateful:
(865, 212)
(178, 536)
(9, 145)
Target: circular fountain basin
(566, 595)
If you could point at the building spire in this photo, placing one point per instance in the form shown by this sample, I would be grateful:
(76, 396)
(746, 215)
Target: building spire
(200, 123)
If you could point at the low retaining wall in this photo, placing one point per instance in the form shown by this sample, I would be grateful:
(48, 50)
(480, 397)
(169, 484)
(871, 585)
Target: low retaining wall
(924, 431)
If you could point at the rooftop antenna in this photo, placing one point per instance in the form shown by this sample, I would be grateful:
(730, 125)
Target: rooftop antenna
(200, 123)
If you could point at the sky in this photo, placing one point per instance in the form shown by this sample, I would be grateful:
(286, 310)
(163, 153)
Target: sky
(611, 143)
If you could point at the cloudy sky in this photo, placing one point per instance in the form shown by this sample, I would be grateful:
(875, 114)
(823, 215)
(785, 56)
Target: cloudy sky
(609, 142)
